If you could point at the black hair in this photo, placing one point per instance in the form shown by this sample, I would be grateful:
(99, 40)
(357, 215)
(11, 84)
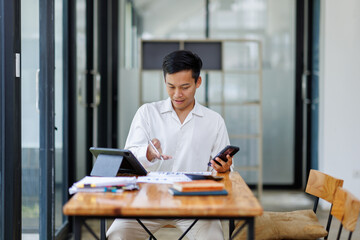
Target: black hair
(180, 60)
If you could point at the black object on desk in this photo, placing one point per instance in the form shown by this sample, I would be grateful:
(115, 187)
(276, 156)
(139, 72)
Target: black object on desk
(111, 161)
(203, 177)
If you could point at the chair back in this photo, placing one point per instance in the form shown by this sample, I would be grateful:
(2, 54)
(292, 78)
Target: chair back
(346, 209)
(322, 185)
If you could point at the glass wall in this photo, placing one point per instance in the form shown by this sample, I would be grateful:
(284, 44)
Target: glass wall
(30, 116)
(270, 21)
(171, 19)
(59, 177)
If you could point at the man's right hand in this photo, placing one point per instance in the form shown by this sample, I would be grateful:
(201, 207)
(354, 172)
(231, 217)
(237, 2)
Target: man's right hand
(151, 152)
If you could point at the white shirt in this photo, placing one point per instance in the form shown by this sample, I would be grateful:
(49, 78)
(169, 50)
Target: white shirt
(192, 144)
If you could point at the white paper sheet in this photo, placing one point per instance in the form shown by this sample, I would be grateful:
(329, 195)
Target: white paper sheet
(167, 177)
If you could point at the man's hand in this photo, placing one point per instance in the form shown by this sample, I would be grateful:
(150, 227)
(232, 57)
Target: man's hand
(152, 153)
(225, 166)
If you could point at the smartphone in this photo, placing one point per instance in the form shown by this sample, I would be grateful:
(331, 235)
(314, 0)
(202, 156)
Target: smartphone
(228, 150)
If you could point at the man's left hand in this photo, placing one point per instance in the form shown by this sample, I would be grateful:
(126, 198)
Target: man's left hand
(225, 166)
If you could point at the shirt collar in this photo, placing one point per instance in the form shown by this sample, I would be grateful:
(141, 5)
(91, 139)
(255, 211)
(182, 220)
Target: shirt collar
(167, 107)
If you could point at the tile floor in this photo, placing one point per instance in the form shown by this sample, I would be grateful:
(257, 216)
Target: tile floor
(273, 200)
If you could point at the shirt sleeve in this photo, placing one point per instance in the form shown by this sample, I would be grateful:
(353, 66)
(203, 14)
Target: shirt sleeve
(137, 140)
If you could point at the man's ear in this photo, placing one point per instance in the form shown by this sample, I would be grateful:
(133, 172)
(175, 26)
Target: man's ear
(198, 83)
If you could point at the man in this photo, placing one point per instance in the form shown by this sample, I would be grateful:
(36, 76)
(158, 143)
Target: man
(186, 136)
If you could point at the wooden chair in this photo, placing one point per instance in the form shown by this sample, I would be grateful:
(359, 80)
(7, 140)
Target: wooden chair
(298, 224)
(346, 209)
(323, 186)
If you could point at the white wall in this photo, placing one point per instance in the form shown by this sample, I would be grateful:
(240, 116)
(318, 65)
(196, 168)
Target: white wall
(339, 136)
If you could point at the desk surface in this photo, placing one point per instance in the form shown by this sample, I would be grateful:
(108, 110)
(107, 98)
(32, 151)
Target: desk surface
(154, 200)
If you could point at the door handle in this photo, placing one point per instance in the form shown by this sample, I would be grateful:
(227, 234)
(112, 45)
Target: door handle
(37, 90)
(304, 96)
(96, 81)
(97, 89)
(80, 89)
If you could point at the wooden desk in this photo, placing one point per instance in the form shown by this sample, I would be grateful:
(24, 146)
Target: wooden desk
(154, 201)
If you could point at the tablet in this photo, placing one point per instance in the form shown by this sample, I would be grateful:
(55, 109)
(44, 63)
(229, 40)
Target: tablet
(113, 161)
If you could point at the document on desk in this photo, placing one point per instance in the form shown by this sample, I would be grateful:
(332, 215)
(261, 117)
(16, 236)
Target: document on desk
(98, 184)
(167, 177)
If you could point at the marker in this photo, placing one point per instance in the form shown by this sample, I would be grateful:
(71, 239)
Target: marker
(113, 190)
(115, 186)
(86, 185)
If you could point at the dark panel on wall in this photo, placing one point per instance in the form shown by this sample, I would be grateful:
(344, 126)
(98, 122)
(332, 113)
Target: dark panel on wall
(154, 52)
(209, 52)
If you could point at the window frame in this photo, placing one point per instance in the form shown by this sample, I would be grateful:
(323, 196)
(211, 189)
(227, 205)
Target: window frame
(10, 117)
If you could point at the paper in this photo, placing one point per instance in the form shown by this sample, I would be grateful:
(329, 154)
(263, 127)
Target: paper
(167, 177)
(98, 184)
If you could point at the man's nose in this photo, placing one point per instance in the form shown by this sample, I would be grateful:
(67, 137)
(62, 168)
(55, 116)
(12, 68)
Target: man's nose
(178, 92)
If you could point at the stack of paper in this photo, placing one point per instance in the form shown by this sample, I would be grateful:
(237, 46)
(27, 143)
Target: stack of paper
(103, 184)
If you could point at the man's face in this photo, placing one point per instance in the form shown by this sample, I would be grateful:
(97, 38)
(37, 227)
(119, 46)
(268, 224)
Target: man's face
(181, 89)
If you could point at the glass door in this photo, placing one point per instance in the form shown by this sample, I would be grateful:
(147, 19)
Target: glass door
(30, 38)
(42, 118)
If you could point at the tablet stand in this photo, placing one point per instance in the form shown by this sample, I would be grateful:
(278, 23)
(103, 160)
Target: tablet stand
(106, 165)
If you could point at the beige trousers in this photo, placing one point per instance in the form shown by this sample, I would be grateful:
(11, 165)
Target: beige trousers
(131, 229)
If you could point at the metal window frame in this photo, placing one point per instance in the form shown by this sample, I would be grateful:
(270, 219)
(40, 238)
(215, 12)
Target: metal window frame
(69, 108)
(299, 122)
(10, 118)
(89, 114)
(313, 9)
(47, 119)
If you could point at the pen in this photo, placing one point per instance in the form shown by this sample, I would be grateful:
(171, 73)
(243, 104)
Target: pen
(152, 145)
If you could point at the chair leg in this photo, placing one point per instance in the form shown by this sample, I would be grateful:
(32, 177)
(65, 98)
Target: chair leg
(316, 202)
(339, 233)
(350, 235)
(328, 223)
